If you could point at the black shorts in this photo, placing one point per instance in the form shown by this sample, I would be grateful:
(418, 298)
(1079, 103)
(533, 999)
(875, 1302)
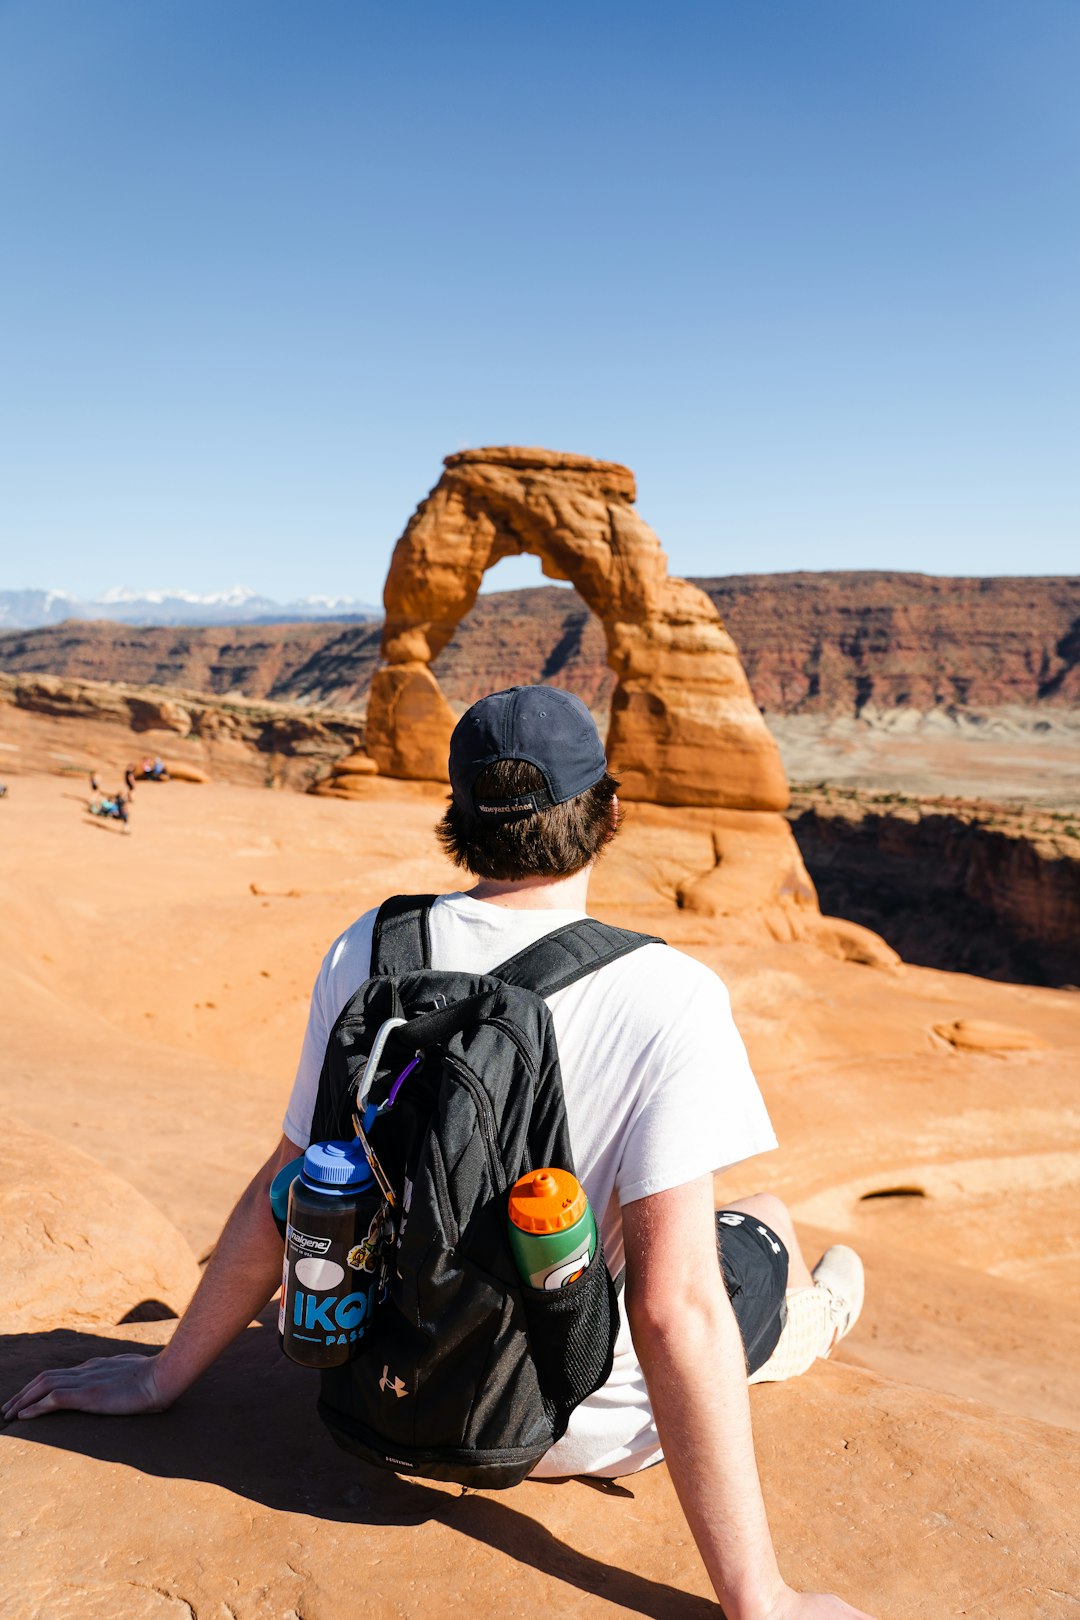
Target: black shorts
(755, 1266)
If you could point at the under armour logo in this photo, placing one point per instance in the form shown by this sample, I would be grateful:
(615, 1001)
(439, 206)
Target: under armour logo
(386, 1382)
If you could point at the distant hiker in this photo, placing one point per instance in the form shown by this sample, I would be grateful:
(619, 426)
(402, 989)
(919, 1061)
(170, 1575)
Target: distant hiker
(129, 779)
(659, 1097)
(111, 808)
(95, 786)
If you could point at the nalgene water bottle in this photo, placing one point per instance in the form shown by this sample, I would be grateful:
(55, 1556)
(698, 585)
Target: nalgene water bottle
(333, 1255)
(552, 1230)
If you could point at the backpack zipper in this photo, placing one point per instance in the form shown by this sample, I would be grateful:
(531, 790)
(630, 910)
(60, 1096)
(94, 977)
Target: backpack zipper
(484, 1113)
(511, 1033)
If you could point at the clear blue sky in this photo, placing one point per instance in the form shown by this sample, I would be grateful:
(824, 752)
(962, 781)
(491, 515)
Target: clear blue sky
(810, 267)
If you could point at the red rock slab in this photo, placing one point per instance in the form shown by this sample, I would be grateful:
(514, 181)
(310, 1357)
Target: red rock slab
(981, 1035)
(236, 1503)
(80, 1245)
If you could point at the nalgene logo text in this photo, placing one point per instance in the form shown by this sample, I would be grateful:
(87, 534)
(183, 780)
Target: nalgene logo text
(304, 1243)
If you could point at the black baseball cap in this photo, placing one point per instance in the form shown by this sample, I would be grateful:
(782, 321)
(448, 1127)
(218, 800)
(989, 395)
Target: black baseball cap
(551, 729)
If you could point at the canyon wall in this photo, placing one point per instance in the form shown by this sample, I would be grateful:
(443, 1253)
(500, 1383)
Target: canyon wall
(811, 643)
(274, 662)
(835, 643)
(986, 889)
(544, 634)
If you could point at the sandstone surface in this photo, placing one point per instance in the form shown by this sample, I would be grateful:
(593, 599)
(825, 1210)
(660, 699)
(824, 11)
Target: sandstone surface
(409, 722)
(162, 981)
(980, 1035)
(180, 771)
(988, 886)
(258, 1520)
(929, 1474)
(684, 728)
(81, 1245)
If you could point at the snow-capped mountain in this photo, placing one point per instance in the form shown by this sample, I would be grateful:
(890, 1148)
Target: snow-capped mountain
(26, 610)
(239, 596)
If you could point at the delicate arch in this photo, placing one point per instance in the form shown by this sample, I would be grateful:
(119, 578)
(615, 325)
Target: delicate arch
(684, 726)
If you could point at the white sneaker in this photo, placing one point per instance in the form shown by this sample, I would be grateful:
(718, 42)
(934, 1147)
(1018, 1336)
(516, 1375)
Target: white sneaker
(840, 1273)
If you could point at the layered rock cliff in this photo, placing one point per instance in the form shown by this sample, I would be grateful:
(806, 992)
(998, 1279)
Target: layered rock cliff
(973, 888)
(52, 724)
(325, 663)
(811, 643)
(835, 643)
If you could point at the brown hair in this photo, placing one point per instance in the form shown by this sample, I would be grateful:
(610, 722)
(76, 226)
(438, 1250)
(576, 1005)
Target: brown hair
(544, 843)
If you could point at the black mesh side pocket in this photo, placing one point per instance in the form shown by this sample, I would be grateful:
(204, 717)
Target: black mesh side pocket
(572, 1334)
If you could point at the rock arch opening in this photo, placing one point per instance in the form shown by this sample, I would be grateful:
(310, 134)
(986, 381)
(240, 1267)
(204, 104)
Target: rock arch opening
(552, 635)
(684, 729)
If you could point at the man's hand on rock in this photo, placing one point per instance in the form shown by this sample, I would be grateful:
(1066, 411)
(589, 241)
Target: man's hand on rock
(813, 1606)
(243, 1273)
(117, 1385)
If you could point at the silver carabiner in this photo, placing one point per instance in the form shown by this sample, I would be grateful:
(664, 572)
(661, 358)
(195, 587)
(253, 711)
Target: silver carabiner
(371, 1067)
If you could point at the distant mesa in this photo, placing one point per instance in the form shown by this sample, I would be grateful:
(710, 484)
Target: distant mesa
(684, 727)
(894, 651)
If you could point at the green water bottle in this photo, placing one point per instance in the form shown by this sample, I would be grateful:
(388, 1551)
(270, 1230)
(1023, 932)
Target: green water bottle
(552, 1230)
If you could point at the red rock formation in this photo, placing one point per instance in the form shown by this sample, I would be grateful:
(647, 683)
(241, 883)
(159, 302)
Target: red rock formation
(977, 888)
(81, 1246)
(684, 728)
(826, 643)
(833, 643)
(928, 1474)
(48, 724)
(256, 661)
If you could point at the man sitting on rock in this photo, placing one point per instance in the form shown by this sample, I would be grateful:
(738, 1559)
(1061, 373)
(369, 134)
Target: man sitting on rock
(659, 1098)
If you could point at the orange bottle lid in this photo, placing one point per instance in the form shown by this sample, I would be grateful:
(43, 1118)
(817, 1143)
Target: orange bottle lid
(547, 1201)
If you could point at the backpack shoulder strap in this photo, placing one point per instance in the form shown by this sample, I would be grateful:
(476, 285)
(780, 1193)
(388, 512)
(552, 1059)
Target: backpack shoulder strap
(401, 942)
(569, 954)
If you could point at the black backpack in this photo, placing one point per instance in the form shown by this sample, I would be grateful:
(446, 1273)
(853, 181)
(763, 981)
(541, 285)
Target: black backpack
(466, 1373)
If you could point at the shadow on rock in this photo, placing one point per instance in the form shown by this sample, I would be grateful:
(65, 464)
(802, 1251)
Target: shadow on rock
(250, 1427)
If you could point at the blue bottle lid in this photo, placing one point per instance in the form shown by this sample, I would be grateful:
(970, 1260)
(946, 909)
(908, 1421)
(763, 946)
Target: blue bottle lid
(336, 1167)
(280, 1186)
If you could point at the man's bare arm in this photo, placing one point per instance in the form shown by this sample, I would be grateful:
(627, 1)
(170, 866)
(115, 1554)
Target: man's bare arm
(688, 1343)
(241, 1276)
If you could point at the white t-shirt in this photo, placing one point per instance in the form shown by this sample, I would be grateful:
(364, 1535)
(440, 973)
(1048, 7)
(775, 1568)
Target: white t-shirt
(658, 1088)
